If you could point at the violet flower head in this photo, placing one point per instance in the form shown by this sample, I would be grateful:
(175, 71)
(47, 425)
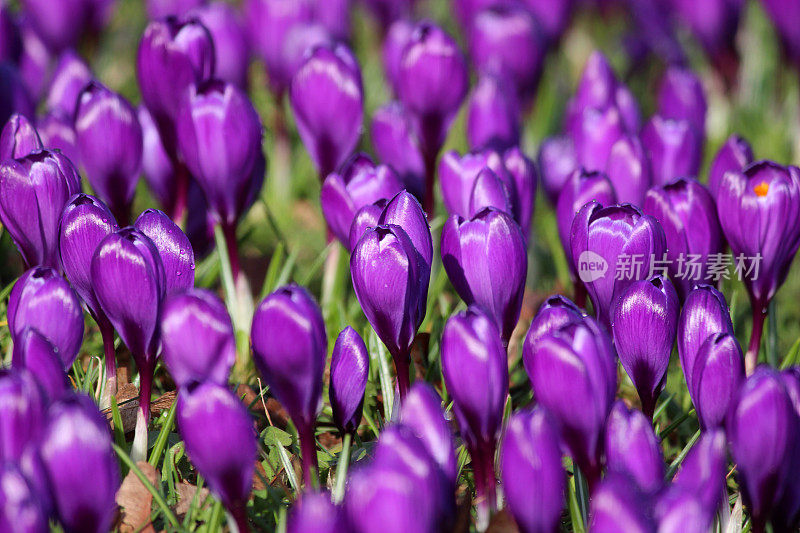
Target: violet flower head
(365, 218)
(225, 457)
(33, 192)
(348, 381)
(523, 174)
(34, 353)
(110, 143)
(688, 215)
(60, 25)
(674, 148)
(553, 17)
(493, 115)
(617, 505)
(733, 156)
(57, 131)
(596, 132)
(681, 97)
(488, 190)
(360, 182)
(557, 161)
(573, 371)
(633, 449)
(389, 11)
(160, 9)
(329, 126)
(22, 507)
(644, 326)
(784, 15)
(22, 413)
(629, 170)
(458, 174)
(197, 338)
(18, 138)
(315, 513)
(158, 170)
(485, 258)
(552, 314)
(174, 248)
(70, 76)
(714, 27)
(397, 37)
(14, 95)
(35, 60)
(717, 374)
(705, 314)
(231, 49)
(43, 300)
(533, 476)
(603, 235)
(397, 145)
(76, 446)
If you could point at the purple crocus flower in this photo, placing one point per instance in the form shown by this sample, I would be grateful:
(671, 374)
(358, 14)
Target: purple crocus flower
(197, 338)
(557, 162)
(493, 115)
(784, 15)
(674, 148)
(644, 326)
(405, 211)
(34, 353)
(22, 507)
(174, 248)
(524, 175)
(397, 145)
(129, 283)
(60, 25)
(759, 211)
(35, 61)
(14, 96)
(611, 238)
(315, 513)
(688, 215)
(476, 374)
(717, 374)
(33, 192)
(397, 37)
(329, 127)
(160, 9)
(486, 261)
(574, 375)
(159, 172)
(365, 218)
(554, 312)
(458, 174)
(334, 16)
(22, 413)
(231, 50)
(290, 348)
(733, 156)
(389, 11)
(57, 131)
(360, 182)
(70, 76)
(632, 448)
(553, 17)
(225, 457)
(681, 97)
(109, 139)
(18, 138)
(617, 506)
(533, 475)
(629, 170)
(386, 271)
(43, 300)
(488, 190)
(714, 26)
(348, 381)
(76, 445)
(597, 131)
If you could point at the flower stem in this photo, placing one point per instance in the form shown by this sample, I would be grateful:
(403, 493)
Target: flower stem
(402, 367)
(751, 358)
(237, 293)
(110, 390)
(282, 153)
(341, 468)
(485, 483)
(177, 211)
(139, 449)
(238, 514)
(308, 449)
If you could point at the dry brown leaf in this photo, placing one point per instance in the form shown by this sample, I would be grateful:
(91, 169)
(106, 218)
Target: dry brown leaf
(502, 522)
(186, 492)
(136, 501)
(128, 404)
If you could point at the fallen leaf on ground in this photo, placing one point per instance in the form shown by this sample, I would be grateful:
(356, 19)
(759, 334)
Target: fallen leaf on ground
(136, 501)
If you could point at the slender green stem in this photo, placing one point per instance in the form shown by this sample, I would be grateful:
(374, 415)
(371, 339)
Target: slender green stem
(581, 492)
(216, 517)
(341, 468)
(673, 467)
(675, 423)
(162, 504)
(228, 283)
(575, 508)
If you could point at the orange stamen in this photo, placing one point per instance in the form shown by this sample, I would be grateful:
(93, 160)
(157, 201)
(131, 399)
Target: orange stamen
(761, 189)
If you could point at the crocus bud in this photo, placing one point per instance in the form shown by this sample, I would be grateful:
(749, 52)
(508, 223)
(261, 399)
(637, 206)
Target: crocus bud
(397, 37)
(573, 368)
(110, 143)
(77, 444)
(349, 373)
(523, 173)
(197, 339)
(507, 40)
(432, 83)
(225, 457)
(174, 248)
(33, 192)
(554, 312)
(386, 273)
(70, 76)
(360, 182)
(458, 174)
(18, 138)
(645, 322)
(422, 413)
(158, 170)
(674, 148)
(717, 374)
(43, 300)
(714, 26)
(598, 130)
(35, 60)
(762, 429)
(290, 347)
(705, 313)
(231, 52)
(329, 126)
(583, 187)
(617, 237)
(486, 261)
(489, 191)
(365, 218)
(629, 170)
(396, 145)
(533, 476)
(22, 507)
(315, 513)
(57, 131)
(688, 215)
(334, 16)
(681, 97)
(173, 54)
(14, 96)
(557, 162)
(159, 9)
(632, 448)
(493, 116)
(37, 355)
(476, 375)
(734, 155)
(618, 506)
(60, 25)
(22, 413)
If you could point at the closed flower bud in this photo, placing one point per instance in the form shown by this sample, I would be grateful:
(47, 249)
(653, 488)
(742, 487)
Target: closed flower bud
(33, 192)
(397, 37)
(110, 143)
(38, 356)
(632, 448)
(397, 145)
(329, 126)
(18, 138)
(57, 131)
(489, 191)
(597, 131)
(159, 9)
(348, 381)
(609, 235)
(487, 264)
(524, 175)
(315, 513)
(552, 17)
(645, 322)
(22, 413)
(533, 475)
(173, 247)
(76, 446)
(493, 115)
(22, 506)
(458, 174)
(557, 162)
(705, 314)
(629, 170)
(365, 218)
(43, 300)
(226, 455)
(674, 148)
(197, 339)
(70, 76)
(60, 25)
(231, 51)
(618, 506)
(717, 374)
(14, 95)
(158, 170)
(681, 97)
(733, 156)
(554, 312)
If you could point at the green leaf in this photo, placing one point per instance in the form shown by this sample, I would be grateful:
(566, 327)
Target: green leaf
(277, 437)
